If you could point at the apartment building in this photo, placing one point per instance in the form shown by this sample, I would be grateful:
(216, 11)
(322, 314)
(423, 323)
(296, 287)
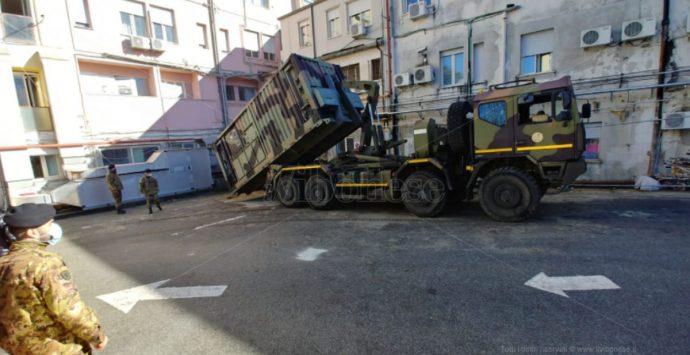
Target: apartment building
(613, 50)
(97, 82)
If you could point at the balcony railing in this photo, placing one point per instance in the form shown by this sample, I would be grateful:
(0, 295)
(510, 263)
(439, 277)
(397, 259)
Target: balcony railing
(17, 28)
(36, 119)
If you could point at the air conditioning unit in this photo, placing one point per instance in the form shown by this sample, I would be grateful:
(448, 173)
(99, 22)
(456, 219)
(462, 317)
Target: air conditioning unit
(676, 120)
(140, 42)
(417, 10)
(423, 74)
(358, 30)
(157, 45)
(638, 29)
(402, 79)
(599, 36)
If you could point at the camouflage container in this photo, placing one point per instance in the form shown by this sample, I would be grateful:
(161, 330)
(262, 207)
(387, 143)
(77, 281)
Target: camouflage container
(299, 114)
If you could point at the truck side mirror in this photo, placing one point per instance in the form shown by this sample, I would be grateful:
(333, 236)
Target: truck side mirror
(586, 111)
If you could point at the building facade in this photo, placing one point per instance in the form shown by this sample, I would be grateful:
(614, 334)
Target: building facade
(613, 50)
(91, 83)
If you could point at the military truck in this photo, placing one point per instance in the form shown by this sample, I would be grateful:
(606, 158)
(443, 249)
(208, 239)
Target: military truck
(507, 146)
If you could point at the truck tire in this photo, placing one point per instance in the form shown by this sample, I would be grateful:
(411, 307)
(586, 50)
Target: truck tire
(424, 194)
(289, 191)
(458, 126)
(319, 193)
(509, 194)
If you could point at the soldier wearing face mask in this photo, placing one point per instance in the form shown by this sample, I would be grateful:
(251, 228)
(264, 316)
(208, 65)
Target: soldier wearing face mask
(41, 311)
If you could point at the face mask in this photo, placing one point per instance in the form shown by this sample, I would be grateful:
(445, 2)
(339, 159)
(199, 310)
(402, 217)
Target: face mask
(55, 234)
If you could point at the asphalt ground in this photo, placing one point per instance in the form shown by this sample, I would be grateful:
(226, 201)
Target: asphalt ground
(386, 282)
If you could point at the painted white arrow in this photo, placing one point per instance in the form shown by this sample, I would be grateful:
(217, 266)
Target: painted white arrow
(126, 299)
(558, 285)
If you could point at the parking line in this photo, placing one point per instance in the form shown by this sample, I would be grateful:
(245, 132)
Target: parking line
(219, 222)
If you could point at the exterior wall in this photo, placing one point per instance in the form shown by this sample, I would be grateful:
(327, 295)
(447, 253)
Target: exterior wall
(626, 118)
(83, 122)
(322, 45)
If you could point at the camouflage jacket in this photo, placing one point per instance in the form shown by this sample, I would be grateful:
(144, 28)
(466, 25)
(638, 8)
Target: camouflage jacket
(41, 311)
(113, 181)
(148, 185)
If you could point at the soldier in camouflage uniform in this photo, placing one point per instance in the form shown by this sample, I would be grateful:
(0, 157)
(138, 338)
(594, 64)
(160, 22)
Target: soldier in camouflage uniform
(41, 311)
(115, 187)
(148, 185)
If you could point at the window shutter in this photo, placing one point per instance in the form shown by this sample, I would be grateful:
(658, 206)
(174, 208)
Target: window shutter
(132, 7)
(164, 17)
(537, 43)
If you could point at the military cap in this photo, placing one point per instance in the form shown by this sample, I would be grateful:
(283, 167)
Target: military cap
(111, 166)
(30, 215)
(147, 171)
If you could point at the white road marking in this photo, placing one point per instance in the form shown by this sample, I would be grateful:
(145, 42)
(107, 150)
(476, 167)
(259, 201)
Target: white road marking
(634, 214)
(310, 254)
(219, 222)
(558, 285)
(125, 300)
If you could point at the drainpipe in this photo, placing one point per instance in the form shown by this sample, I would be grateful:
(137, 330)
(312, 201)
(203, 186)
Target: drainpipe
(220, 80)
(389, 49)
(663, 62)
(313, 31)
(470, 21)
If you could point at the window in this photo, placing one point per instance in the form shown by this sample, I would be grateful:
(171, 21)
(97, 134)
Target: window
(175, 89)
(452, 67)
(246, 93)
(333, 24)
(536, 51)
(27, 88)
(230, 92)
(45, 166)
(79, 11)
(535, 108)
(477, 66)
(251, 44)
(593, 135)
(132, 18)
(376, 69)
(262, 3)
(406, 4)
(304, 34)
(268, 47)
(224, 40)
(114, 84)
(127, 155)
(203, 38)
(363, 17)
(163, 24)
(351, 72)
(493, 112)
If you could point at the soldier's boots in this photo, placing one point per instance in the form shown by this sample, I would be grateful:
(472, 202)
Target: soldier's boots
(150, 210)
(121, 211)
(159, 206)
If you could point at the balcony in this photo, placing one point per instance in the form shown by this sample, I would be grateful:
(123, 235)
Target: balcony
(38, 125)
(17, 29)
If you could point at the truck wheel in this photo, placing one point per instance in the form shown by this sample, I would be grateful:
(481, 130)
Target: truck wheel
(509, 195)
(319, 193)
(424, 194)
(289, 191)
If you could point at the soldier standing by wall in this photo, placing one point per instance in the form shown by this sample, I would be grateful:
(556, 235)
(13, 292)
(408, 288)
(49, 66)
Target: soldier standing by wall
(148, 185)
(41, 311)
(115, 187)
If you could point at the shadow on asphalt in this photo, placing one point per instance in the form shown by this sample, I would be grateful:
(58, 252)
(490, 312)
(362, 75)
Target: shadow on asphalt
(616, 212)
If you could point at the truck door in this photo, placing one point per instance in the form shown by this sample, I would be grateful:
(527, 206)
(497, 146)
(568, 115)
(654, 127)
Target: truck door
(493, 128)
(545, 128)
